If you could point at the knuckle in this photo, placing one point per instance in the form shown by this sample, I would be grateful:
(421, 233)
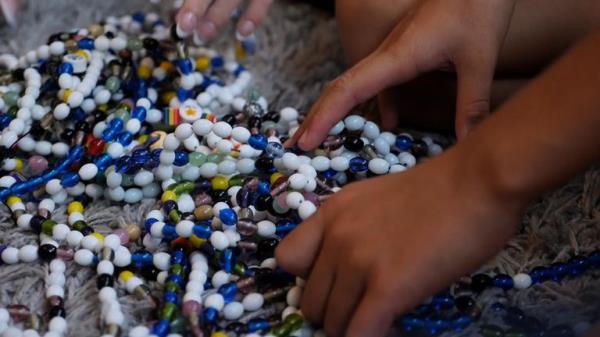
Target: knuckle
(476, 109)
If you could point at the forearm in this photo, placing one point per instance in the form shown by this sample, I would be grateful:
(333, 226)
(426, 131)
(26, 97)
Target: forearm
(546, 133)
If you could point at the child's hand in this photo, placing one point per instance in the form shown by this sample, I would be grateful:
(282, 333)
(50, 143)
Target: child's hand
(206, 17)
(464, 35)
(380, 247)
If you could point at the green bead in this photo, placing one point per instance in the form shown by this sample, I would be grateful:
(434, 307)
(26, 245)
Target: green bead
(491, 331)
(172, 286)
(197, 158)
(123, 114)
(295, 321)
(239, 269)
(134, 44)
(237, 180)
(266, 125)
(10, 98)
(127, 180)
(214, 158)
(175, 215)
(113, 84)
(184, 187)
(179, 325)
(79, 225)
(281, 330)
(253, 95)
(176, 269)
(47, 226)
(168, 311)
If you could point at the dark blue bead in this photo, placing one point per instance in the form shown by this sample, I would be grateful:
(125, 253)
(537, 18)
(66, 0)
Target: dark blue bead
(412, 322)
(228, 216)
(594, 259)
(70, 179)
(181, 158)
(258, 324)
(358, 164)
(577, 265)
(175, 279)
(442, 301)
(263, 187)
(202, 231)
(258, 141)
(125, 138)
(148, 223)
(139, 112)
(503, 281)
(436, 325)
(227, 260)
(182, 94)
(423, 310)
(170, 297)
(403, 142)
(76, 152)
(461, 322)
(275, 149)
(108, 135)
(329, 174)
(249, 46)
(86, 43)
(210, 315)
(557, 271)
(161, 328)
(238, 71)
(177, 257)
(139, 17)
(116, 124)
(185, 66)
(228, 291)
(140, 156)
(5, 120)
(169, 232)
(538, 274)
(65, 68)
(217, 62)
(124, 163)
(285, 228)
(77, 114)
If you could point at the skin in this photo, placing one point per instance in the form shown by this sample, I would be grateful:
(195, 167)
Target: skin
(207, 17)
(454, 211)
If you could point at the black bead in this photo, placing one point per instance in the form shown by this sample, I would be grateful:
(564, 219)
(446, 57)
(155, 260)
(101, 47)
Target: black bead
(480, 282)
(67, 135)
(464, 303)
(560, 331)
(219, 196)
(272, 116)
(263, 202)
(150, 43)
(150, 273)
(105, 280)
(87, 230)
(36, 130)
(109, 35)
(419, 148)
(254, 122)
(57, 311)
(353, 143)
(514, 317)
(229, 119)
(264, 164)
(236, 327)
(99, 116)
(83, 126)
(47, 252)
(266, 248)
(174, 35)
(18, 74)
(36, 223)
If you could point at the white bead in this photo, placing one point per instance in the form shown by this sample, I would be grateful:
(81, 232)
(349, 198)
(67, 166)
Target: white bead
(133, 125)
(30, 333)
(4, 316)
(340, 164)
(115, 317)
(233, 311)
(198, 276)
(219, 240)
(379, 166)
(227, 167)
(115, 150)
(183, 131)
(171, 142)
(58, 324)
(266, 228)
(220, 278)
(434, 150)
(320, 163)
(75, 99)
(224, 146)
(209, 170)
(307, 170)
(290, 161)
(122, 257)
(107, 294)
(522, 281)
(381, 146)
(84, 257)
(139, 331)
(10, 255)
(270, 263)
(371, 130)
(215, 301)
(105, 267)
(245, 165)
(222, 129)
(154, 116)
(194, 287)
(240, 134)
(112, 241)
(202, 127)
(184, 228)
(161, 260)
(354, 122)
(407, 159)
(56, 278)
(74, 238)
(306, 209)
(293, 296)
(397, 168)
(288, 311)
(294, 199)
(28, 253)
(133, 283)
(90, 242)
(133, 195)
(12, 332)
(143, 178)
(288, 114)
(57, 266)
(23, 221)
(297, 181)
(253, 301)
(118, 43)
(88, 171)
(55, 290)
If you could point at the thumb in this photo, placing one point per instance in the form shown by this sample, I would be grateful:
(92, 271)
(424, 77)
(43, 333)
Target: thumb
(473, 96)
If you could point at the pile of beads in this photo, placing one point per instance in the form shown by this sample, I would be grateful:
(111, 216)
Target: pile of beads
(126, 110)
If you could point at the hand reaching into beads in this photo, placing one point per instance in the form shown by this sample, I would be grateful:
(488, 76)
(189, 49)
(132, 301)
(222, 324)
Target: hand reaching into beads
(206, 16)
(464, 35)
(367, 261)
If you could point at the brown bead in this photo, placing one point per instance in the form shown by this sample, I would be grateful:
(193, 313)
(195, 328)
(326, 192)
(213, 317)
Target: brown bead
(203, 199)
(203, 212)
(134, 232)
(246, 227)
(245, 213)
(96, 30)
(71, 46)
(55, 301)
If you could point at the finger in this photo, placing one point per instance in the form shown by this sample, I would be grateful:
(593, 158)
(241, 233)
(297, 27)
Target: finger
(345, 295)
(10, 9)
(298, 251)
(373, 316)
(378, 71)
(317, 289)
(388, 110)
(218, 14)
(473, 96)
(189, 14)
(253, 16)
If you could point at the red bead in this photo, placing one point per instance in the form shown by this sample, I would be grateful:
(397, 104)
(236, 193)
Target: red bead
(95, 146)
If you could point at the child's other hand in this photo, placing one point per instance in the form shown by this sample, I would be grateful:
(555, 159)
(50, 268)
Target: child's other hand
(206, 16)
(463, 35)
(379, 247)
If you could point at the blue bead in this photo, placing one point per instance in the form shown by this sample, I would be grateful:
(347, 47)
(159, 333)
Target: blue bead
(161, 328)
(503, 281)
(557, 271)
(124, 164)
(170, 297)
(65, 68)
(577, 265)
(182, 94)
(185, 66)
(228, 290)
(249, 46)
(103, 161)
(202, 231)
(538, 274)
(227, 260)
(238, 71)
(329, 174)
(594, 259)
(5, 120)
(258, 141)
(461, 322)
(436, 325)
(140, 156)
(148, 223)
(108, 135)
(77, 114)
(285, 228)
(86, 43)
(217, 62)
(139, 112)
(70, 179)
(175, 279)
(125, 138)
(442, 301)
(263, 188)
(403, 142)
(181, 158)
(169, 232)
(412, 322)
(275, 149)
(177, 257)
(116, 124)
(228, 216)
(210, 315)
(139, 17)
(258, 324)
(358, 164)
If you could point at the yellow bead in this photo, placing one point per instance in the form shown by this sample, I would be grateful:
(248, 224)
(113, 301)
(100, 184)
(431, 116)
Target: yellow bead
(66, 94)
(218, 334)
(202, 63)
(142, 139)
(75, 206)
(168, 96)
(125, 276)
(12, 200)
(275, 176)
(220, 183)
(196, 241)
(98, 236)
(144, 72)
(168, 195)
(166, 66)
(19, 165)
(160, 139)
(83, 53)
(240, 53)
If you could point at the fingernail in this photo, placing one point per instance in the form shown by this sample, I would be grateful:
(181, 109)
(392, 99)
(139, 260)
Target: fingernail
(187, 21)
(246, 27)
(303, 140)
(198, 40)
(208, 30)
